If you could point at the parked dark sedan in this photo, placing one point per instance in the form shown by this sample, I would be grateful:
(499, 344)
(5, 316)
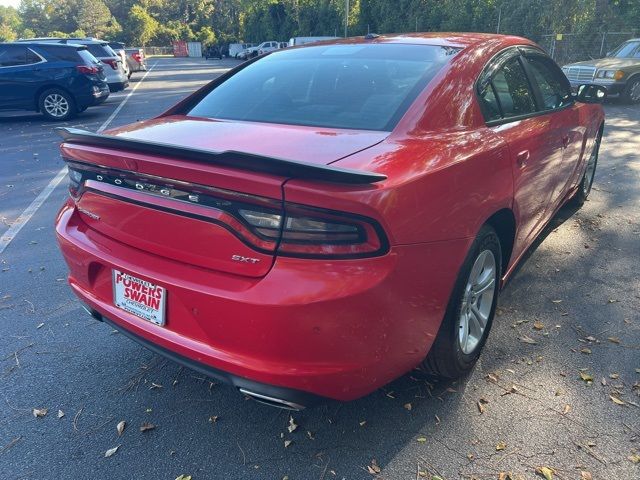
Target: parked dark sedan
(57, 80)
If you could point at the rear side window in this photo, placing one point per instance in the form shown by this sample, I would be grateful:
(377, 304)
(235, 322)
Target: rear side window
(65, 54)
(512, 89)
(13, 55)
(32, 57)
(365, 87)
(489, 103)
(553, 85)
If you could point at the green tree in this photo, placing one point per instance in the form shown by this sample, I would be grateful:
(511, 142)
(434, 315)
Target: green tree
(141, 26)
(94, 18)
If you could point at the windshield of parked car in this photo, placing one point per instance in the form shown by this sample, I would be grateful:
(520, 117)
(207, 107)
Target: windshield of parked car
(627, 50)
(366, 87)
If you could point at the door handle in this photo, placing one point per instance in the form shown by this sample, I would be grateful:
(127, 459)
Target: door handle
(565, 141)
(522, 158)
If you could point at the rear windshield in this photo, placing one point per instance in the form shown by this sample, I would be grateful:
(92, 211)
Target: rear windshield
(366, 87)
(87, 57)
(98, 50)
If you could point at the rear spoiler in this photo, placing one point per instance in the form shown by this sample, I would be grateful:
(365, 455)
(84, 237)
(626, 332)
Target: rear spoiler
(229, 158)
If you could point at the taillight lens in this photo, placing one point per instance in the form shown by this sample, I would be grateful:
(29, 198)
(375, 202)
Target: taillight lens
(311, 232)
(112, 63)
(265, 224)
(136, 57)
(88, 70)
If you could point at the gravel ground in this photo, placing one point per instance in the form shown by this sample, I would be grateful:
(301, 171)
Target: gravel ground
(571, 310)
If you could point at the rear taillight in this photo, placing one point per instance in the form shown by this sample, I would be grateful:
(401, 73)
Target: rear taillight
(88, 70)
(112, 63)
(137, 57)
(265, 224)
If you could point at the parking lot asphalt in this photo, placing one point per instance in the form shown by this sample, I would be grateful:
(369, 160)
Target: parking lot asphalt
(557, 386)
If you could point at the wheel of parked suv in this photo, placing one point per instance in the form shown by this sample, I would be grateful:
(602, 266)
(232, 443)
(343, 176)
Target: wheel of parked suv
(470, 311)
(632, 91)
(56, 104)
(589, 174)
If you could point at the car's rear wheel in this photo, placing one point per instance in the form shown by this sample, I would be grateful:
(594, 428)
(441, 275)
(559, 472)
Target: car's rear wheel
(589, 174)
(470, 312)
(631, 92)
(56, 104)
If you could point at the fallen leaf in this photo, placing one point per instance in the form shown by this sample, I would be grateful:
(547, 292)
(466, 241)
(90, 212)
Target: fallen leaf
(111, 451)
(147, 426)
(634, 458)
(501, 446)
(373, 469)
(213, 418)
(363, 423)
(614, 376)
(590, 339)
(546, 472)
(585, 475)
(310, 435)
(408, 406)
(616, 400)
(586, 377)
(287, 443)
(614, 340)
(40, 325)
(40, 412)
(538, 325)
(567, 409)
(585, 350)
(437, 419)
(183, 477)
(292, 425)
(556, 301)
(527, 339)
(154, 386)
(120, 427)
(492, 378)
(60, 414)
(480, 407)
(560, 392)
(421, 439)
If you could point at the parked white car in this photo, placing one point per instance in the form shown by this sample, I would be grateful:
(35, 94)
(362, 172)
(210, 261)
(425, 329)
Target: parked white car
(266, 47)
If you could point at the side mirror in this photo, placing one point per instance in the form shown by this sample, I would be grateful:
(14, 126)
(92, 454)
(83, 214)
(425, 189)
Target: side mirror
(591, 94)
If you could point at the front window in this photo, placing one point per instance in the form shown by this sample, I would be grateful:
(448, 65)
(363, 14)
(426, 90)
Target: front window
(627, 50)
(366, 87)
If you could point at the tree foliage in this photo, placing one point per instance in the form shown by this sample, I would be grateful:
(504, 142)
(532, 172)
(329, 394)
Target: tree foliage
(162, 21)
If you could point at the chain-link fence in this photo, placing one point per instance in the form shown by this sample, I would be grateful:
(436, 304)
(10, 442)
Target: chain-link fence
(573, 47)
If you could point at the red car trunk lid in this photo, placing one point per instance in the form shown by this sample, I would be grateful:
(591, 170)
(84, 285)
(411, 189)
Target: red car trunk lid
(190, 211)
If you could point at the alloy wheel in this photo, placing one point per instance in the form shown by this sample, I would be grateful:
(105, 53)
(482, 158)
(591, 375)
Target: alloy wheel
(477, 302)
(56, 105)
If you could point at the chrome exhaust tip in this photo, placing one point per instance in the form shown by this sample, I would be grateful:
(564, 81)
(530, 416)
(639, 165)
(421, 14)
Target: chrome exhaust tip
(271, 401)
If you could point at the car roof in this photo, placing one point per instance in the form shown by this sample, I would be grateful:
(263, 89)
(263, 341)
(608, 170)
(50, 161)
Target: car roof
(63, 41)
(23, 43)
(447, 39)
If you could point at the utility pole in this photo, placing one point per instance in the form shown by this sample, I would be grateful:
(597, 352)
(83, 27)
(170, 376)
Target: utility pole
(499, 18)
(346, 18)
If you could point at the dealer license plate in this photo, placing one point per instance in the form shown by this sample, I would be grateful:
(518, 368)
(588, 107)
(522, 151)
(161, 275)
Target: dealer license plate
(139, 297)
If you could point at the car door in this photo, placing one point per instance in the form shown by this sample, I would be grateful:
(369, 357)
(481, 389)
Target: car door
(554, 93)
(511, 109)
(13, 88)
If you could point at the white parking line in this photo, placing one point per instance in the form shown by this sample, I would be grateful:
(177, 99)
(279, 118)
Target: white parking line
(25, 216)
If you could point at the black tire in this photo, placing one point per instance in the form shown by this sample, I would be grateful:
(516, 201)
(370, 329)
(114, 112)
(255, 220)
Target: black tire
(584, 189)
(56, 104)
(631, 92)
(446, 357)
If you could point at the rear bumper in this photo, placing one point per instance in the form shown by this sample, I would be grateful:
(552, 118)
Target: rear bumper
(117, 86)
(308, 329)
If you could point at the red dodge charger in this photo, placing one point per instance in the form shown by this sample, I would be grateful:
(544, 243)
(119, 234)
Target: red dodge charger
(320, 220)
